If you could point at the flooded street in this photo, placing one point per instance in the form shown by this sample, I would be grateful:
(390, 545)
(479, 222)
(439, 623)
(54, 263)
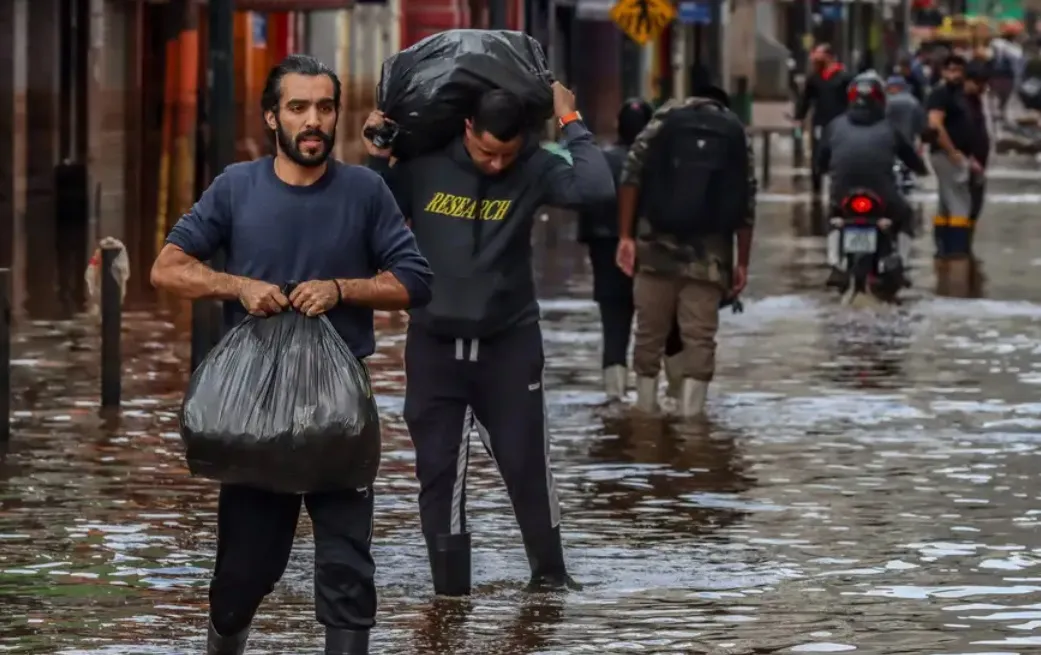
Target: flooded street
(867, 481)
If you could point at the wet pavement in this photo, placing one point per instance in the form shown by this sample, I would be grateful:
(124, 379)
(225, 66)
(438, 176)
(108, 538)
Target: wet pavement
(866, 481)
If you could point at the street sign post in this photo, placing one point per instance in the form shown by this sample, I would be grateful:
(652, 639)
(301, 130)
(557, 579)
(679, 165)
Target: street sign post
(643, 20)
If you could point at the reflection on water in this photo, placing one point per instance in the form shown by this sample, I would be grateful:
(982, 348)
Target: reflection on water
(866, 482)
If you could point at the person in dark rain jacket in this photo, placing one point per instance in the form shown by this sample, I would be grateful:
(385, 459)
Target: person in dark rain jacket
(474, 355)
(825, 93)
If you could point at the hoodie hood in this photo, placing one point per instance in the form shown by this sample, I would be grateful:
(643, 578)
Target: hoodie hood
(866, 115)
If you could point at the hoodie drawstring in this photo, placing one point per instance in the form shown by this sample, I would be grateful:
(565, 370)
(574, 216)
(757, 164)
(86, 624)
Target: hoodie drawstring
(482, 190)
(460, 349)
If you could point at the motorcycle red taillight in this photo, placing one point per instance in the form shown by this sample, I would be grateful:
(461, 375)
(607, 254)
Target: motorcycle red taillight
(861, 204)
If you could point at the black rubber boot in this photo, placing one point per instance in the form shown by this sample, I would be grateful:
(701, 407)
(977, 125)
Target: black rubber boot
(450, 564)
(346, 642)
(546, 558)
(216, 644)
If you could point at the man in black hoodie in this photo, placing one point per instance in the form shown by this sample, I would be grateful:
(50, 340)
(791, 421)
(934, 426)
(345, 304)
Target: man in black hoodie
(474, 356)
(825, 92)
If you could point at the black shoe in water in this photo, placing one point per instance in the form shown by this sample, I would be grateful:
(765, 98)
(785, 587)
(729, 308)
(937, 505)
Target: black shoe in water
(216, 644)
(546, 559)
(346, 642)
(543, 583)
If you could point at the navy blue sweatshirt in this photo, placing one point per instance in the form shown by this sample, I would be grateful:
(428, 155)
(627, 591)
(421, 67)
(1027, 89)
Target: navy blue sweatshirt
(345, 225)
(476, 229)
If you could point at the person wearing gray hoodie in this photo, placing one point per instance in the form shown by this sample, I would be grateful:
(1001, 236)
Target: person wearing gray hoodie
(904, 111)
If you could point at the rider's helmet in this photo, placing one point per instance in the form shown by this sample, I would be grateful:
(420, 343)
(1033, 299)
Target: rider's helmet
(867, 91)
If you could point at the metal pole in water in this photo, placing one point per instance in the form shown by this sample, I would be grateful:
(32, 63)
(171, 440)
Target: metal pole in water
(5, 360)
(111, 328)
(766, 159)
(220, 104)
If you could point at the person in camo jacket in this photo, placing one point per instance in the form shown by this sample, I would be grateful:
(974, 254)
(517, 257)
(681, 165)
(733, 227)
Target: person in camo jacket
(704, 267)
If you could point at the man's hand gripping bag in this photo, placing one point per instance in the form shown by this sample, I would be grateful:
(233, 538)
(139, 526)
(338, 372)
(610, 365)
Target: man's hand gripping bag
(282, 404)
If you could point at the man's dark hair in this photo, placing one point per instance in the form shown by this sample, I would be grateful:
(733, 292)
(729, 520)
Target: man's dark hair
(499, 113)
(302, 65)
(953, 60)
(632, 118)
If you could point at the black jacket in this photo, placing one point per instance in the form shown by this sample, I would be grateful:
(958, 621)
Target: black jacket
(859, 149)
(601, 221)
(826, 93)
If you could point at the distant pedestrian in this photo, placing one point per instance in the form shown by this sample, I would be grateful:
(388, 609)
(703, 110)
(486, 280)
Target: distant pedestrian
(613, 289)
(952, 159)
(825, 94)
(688, 187)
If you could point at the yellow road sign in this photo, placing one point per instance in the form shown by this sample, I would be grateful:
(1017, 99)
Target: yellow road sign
(643, 20)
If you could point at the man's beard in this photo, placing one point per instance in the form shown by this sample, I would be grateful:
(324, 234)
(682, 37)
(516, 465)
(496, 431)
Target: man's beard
(291, 146)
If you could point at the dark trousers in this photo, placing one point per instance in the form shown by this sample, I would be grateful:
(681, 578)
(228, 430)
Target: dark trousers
(495, 386)
(816, 174)
(613, 293)
(255, 531)
(977, 190)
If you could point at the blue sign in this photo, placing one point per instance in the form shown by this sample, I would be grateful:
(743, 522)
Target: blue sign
(259, 29)
(695, 13)
(831, 11)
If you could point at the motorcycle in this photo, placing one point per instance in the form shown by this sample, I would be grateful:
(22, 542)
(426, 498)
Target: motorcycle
(863, 247)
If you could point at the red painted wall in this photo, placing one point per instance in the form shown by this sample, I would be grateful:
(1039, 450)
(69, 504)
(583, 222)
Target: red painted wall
(421, 18)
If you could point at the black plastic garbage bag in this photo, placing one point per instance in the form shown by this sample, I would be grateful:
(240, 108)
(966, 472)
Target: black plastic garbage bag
(430, 89)
(282, 404)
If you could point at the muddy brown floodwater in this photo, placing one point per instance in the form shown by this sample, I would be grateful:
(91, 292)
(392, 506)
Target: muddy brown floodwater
(867, 482)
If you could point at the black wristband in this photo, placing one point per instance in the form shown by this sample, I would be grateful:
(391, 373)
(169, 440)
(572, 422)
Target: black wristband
(339, 294)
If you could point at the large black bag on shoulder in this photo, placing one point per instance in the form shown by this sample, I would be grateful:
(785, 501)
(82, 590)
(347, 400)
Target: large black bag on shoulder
(282, 404)
(432, 87)
(695, 179)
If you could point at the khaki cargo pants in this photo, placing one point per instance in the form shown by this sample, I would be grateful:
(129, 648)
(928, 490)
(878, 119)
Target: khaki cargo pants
(695, 303)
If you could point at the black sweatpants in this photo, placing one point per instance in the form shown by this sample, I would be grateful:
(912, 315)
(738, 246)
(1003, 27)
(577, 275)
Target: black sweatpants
(493, 385)
(255, 531)
(613, 293)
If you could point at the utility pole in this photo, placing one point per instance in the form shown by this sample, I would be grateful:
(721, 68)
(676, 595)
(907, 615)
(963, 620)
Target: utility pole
(220, 103)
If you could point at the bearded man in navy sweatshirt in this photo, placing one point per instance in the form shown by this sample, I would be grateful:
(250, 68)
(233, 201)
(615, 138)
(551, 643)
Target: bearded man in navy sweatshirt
(297, 216)
(474, 357)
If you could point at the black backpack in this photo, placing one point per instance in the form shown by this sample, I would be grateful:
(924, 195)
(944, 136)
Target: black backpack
(696, 172)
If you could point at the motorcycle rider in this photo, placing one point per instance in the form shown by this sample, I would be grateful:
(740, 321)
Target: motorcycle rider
(858, 150)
